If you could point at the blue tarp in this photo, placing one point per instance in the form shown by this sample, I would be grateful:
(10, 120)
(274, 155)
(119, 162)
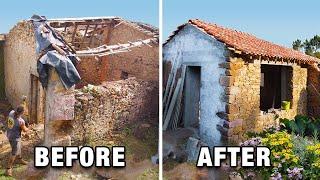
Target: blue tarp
(63, 64)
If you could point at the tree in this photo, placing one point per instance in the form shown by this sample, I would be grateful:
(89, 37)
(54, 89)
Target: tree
(297, 44)
(309, 46)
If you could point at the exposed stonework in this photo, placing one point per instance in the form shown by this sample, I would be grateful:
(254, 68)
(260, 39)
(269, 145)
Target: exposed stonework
(242, 94)
(232, 85)
(113, 103)
(100, 110)
(86, 67)
(142, 63)
(313, 92)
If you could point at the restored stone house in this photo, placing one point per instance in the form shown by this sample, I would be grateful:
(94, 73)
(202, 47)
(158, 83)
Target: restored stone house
(235, 82)
(109, 57)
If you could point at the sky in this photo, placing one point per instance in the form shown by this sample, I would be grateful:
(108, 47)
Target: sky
(12, 11)
(278, 21)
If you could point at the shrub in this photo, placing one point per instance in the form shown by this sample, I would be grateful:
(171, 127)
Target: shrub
(313, 159)
(302, 125)
(282, 155)
(293, 156)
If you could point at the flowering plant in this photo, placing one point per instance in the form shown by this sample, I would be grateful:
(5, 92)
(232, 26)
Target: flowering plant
(313, 159)
(282, 155)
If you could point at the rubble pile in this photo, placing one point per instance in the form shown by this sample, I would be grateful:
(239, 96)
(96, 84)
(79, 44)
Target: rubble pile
(36, 132)
(100, 110)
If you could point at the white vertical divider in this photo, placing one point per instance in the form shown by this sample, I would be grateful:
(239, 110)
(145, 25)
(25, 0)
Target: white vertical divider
(160, 87)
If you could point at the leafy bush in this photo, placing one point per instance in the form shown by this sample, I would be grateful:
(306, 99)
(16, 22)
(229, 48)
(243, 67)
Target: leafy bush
(302, 125)
(295, 149)
(292, 156)
(299, 148)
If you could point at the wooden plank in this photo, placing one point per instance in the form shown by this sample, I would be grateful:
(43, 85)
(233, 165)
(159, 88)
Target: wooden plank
(74, 33)
(170, 93)
(102, 50)
(68, 24)
(178, 104)
(85, 33)
(172, 104)
(65, 28)
(166, 92)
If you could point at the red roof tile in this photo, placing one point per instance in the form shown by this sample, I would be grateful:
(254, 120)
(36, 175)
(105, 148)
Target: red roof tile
(252, 45)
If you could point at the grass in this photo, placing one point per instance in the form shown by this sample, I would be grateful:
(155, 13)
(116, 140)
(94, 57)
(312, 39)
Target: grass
(151, 173)
(18, 169)
(3, 176)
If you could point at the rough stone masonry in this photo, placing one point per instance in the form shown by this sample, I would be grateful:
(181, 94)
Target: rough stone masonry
(100, 110)
(242, 95)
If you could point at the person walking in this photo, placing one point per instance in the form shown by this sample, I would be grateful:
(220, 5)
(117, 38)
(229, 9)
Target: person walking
(15, 125)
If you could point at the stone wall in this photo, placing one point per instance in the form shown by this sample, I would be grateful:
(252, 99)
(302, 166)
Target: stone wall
(142, 63)
(92, 70)
(313, 92)
(101, 110)
(242, 94)
(2, 84)
(20, 60)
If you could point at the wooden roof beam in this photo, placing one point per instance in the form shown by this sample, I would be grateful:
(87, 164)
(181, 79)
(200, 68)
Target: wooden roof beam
(74, 33)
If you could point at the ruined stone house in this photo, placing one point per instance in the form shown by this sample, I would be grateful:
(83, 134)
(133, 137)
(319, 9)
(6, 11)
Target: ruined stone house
(122, 76)
(234, 82)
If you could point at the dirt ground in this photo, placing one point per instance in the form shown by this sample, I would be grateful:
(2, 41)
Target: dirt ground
(140, 140)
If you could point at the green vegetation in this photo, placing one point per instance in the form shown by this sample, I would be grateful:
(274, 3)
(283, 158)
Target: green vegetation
(309, 46)
(151, 173)
(295, 149)
(302, 126)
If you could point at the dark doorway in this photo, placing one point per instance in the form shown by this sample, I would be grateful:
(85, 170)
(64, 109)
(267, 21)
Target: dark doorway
(275, 86)
(36, 101)
(2, 86)
(191, 115)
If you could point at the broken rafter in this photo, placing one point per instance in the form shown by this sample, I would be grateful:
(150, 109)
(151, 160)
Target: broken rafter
(65, 28)
(113, 49)
(74, 32)
(85, 33)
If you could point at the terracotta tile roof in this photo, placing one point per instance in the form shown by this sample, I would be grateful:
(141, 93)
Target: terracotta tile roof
(250, 44)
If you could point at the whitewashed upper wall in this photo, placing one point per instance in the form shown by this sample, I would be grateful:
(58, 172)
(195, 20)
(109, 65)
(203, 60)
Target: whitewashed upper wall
(191, 46)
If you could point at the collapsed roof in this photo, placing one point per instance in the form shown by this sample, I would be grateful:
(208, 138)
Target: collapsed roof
(59, 43)
(249, 44)
(85, 35)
